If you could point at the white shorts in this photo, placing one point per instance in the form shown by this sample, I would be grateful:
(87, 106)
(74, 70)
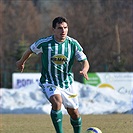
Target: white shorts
(69, 97)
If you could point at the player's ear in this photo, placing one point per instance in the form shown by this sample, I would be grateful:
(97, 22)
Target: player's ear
(53, 29)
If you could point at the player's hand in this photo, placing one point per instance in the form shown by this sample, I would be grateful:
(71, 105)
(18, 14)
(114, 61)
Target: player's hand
(84, 73)
(20, 66)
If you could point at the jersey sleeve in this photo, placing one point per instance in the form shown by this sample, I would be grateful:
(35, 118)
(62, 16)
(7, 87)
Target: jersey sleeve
(35, 48)
(79, 54)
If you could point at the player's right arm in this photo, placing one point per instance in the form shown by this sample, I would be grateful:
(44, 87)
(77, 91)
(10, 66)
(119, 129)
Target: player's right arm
(34, 48)
(21, 63)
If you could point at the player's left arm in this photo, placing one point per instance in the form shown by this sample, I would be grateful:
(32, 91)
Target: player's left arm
(82, 58)
(85, 68)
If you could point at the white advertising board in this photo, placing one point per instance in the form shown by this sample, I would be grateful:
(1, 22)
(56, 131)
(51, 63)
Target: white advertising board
(120, 81)
(24, 79)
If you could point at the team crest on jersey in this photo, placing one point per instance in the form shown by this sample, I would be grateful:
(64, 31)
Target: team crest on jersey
(59, 59)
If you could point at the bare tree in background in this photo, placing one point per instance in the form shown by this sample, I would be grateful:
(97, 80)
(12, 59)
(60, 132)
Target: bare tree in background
(92, 22)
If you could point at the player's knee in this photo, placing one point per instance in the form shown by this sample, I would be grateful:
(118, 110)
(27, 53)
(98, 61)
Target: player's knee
(56, 105)
(75, 116)
(73, 113)
(56, 102)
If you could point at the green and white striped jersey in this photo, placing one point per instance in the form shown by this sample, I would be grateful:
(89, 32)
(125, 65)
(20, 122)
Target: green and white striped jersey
(58, 59)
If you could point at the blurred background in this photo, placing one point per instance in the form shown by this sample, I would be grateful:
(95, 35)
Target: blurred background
(103, 28)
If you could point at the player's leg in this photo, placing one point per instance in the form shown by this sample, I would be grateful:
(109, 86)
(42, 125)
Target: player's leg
(56, 113)
(75, 119)
(56, 117)
(56, 101)
(54, 96)
(70, 102)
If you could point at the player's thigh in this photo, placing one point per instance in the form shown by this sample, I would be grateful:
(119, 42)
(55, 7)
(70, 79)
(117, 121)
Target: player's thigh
(53, 94)
(56, 101)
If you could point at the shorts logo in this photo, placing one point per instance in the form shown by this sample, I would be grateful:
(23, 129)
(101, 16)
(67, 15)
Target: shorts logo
(72, 96)
(50, 89)
(59, 59)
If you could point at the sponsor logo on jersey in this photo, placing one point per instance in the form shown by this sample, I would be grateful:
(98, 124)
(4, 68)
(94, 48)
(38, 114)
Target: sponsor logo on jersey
(59, 59)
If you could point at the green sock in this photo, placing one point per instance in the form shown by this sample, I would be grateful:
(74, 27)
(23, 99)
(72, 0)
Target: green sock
(77, 125)
(56, 117)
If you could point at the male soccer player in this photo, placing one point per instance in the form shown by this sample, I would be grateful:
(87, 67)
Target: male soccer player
(58, 52)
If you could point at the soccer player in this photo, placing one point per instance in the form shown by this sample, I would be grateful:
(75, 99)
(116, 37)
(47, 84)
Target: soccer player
(58, 52)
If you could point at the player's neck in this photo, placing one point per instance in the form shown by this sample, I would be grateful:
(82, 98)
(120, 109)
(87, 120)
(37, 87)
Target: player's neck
(59, 40)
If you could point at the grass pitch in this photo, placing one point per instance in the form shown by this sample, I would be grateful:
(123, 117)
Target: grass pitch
(38, 123)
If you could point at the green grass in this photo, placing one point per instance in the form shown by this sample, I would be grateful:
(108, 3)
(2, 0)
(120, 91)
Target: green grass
(114, 123)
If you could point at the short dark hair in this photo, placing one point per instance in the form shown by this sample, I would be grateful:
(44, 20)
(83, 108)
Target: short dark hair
(58, 20)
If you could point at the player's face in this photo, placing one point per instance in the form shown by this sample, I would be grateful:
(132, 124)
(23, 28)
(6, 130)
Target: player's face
(60, 32)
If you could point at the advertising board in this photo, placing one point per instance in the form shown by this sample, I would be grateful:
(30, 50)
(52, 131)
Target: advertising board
(20, 80)
(120, 81)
